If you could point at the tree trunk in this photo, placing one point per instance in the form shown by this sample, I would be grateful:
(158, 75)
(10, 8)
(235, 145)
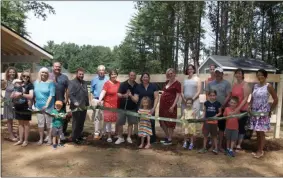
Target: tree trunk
(217, 28)
(177, 44)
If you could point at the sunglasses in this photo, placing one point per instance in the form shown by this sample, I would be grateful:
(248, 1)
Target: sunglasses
(26, 76)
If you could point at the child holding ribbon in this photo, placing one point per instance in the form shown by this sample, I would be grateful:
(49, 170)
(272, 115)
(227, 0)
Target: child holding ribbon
(212, 108)
(190, 128)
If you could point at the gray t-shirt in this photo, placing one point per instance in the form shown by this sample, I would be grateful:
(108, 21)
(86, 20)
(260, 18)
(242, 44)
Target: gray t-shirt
(222, 88)
(61, 84)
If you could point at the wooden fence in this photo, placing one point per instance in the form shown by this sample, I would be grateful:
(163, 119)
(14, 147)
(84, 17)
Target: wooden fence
(250, 78)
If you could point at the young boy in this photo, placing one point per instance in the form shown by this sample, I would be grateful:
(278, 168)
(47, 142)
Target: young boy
(57, 123)
(232, 126)
(212, 108)
(18, 87)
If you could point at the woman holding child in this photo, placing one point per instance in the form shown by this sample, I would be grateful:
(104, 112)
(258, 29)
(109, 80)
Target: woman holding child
(168, 104)
(191, 91)
(259, 103)
(26, 97)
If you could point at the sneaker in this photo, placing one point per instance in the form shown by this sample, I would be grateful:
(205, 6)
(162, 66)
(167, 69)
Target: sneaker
(185, 144)
(18, 143)
(129, 140)
(215, 151)
(46, 139)
(191, 146)
(203, 150)
(109, 140)
(168, 142)
(60, 145)
(54, 146)
(231, 153)
(119, 141)
(163, 141)
(226, 152)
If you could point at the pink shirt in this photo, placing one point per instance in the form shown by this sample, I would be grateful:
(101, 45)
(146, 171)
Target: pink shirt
(238, 91)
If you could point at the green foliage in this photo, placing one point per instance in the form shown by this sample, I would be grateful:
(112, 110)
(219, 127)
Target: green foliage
(14, 13)
(73, 56)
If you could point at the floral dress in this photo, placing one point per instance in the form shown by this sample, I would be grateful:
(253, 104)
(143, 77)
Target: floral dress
(260, 103)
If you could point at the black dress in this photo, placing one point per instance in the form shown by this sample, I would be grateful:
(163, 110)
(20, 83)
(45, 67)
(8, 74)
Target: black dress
(21, 110)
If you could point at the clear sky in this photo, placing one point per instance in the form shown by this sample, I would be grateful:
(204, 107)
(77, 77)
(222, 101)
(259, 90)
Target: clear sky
(87, 22)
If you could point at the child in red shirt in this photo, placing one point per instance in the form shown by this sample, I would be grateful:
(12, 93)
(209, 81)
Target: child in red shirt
(232, 126)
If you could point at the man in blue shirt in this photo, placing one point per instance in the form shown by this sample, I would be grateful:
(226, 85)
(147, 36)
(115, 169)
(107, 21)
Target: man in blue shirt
(96, 88)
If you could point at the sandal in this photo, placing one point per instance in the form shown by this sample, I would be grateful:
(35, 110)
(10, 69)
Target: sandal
(24, 144)
(259, 156)
(253, 153)
(18, 143)
(147, 146)
(13, 139)
(40, 142)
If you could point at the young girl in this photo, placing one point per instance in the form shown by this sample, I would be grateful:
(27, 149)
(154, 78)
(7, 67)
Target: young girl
(212, 108)
(145, 124)
(190, 129)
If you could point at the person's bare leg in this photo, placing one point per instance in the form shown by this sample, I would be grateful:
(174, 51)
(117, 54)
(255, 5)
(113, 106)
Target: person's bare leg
(170, 133)
(215, 142)
(120, 131)
(21, 130)
(54, 141)
(261, 144)
(130, 130)
(10, 129)
(148, 142)
(204, 142)
(49, 135)
(232, 144)
(142, 142)
(221, 135)
(59, 140)
(228, 144)
(26, 130)
(165, 129)
(41, 134)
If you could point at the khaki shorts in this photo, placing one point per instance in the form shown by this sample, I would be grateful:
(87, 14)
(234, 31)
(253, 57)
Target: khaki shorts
(122, 117)
(42, 119)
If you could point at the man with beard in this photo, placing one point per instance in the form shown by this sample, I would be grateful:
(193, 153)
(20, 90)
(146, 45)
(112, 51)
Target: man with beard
(78, 94)
(61, 82)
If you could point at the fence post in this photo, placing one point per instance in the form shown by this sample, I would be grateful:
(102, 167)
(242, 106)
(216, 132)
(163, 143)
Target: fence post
(279, 108)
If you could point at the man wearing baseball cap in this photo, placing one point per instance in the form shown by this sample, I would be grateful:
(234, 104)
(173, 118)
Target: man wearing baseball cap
(223, 89)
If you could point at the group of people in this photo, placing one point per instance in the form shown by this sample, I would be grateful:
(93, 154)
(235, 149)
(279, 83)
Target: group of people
(51, 92)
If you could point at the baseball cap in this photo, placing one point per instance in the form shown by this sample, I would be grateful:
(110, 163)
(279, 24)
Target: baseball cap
(59, 103)
(219, 69)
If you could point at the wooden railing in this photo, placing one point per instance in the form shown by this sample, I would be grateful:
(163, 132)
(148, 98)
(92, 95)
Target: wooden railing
(250, 78)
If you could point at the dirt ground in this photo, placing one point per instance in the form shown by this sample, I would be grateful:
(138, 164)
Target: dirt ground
(98, 158)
